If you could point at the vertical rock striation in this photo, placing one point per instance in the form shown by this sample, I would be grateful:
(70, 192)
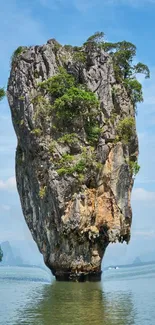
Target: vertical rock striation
(75, 193)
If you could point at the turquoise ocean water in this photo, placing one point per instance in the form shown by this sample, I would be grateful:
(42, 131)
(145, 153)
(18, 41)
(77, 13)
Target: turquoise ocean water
(31, 296)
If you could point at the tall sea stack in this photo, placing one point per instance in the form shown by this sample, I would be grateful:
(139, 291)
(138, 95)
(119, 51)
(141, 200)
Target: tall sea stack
(76, 155)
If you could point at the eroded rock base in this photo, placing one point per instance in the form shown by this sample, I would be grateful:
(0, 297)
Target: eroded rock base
(79, 277)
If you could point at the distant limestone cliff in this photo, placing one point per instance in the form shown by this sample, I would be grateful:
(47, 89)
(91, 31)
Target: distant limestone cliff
(9, 257)
(73, 110)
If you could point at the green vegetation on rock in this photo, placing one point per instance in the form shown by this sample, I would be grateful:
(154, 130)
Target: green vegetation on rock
(66, 158)
(70, 107)
(57, 86)
(78, 168)
(94, 40)
(75, 102)
(1, 254)
(2, 93)
(93, 131)
(68, 138)
(134, 167)
(52, 147)
(123, 54)
(68, 47)
(134, 90)
(42, 109)
(16, 53)
(70, 101)
(57, 46)
(42, 192)
(126, 129)
(37, 132)
(79, 56)
(142, 68)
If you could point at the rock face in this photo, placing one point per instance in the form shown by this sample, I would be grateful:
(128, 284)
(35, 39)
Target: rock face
(72, 216)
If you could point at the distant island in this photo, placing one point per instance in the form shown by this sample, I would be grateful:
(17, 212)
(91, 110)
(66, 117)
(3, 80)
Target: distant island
(137, 262)
(9, 257)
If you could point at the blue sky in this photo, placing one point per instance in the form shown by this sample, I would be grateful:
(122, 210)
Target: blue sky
(30, 22)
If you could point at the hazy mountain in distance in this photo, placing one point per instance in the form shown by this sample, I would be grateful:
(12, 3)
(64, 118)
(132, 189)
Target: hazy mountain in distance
(137, 261)
(28, 251)
(21, 252)
(9, 258)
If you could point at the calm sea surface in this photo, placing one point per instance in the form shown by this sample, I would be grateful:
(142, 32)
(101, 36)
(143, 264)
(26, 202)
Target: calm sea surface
(31, 296)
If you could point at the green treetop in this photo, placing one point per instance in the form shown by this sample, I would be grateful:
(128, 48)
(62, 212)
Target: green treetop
(123, 54)
(95, 38)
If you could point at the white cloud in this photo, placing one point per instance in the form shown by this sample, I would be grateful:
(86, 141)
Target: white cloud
(140, 194)
(8, 185)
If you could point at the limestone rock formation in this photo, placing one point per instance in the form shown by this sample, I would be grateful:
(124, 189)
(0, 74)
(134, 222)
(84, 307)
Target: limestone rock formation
(74, 178)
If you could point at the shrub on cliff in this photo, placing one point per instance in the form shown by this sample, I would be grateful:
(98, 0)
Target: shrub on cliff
(125, 129)
(134, 89)
(57, 85)
(134, 167)
(2, 93)
(125, 71)
(16, 53)
(75, 102)
(78, 102)
(72, 100)
(1, 254)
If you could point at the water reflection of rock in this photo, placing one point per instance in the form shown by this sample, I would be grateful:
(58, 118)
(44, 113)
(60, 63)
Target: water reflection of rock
(80, 304)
